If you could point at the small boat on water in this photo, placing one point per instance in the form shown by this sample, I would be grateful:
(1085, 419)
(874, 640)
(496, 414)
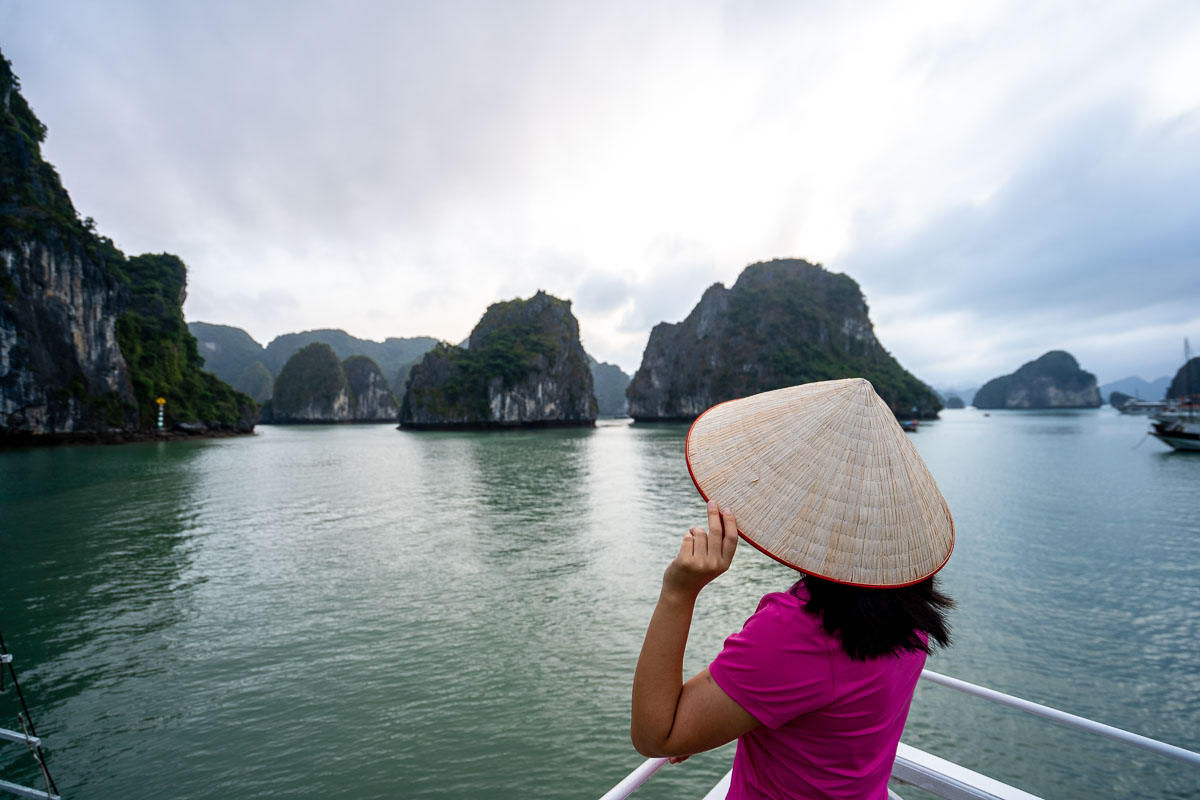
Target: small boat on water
(1143, 406)
(1179, 424)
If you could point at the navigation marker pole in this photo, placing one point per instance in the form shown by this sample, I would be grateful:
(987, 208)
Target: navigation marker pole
(162, 401)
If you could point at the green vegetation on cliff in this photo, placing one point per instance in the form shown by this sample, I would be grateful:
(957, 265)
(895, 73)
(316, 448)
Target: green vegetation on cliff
(523, 355)
(313, 379)
(256, 381)
(33, 202)
(782, 323)
(800, 323)
(162, 355)
(139, 299)
(392, 355)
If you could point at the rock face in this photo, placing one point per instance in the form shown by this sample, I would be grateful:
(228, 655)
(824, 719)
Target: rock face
(88, 338)
(394, 356)
(954, 401)
(1053, 381)
(609, 384)
(371, 400)
(783, 322)
(523, 366)
(61, 369)
(236, 358)
(256, 381)
(1186, 382)
(314, 387)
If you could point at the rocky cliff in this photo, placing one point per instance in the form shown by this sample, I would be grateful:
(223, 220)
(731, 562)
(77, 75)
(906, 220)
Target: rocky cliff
(88, 338)
(782, 323)
(523, 365)
(1186, 383)
(1053, 381)
(609, 383)
(394, 355)
(235, 357)
(371, 399)
(314, 387)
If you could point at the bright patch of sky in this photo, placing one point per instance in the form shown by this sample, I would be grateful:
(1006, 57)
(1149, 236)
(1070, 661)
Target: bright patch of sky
(1001, 178)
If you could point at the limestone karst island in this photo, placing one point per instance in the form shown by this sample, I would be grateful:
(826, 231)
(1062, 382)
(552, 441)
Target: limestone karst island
(93, 344)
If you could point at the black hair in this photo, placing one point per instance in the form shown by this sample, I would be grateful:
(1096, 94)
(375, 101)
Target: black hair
(872, 622)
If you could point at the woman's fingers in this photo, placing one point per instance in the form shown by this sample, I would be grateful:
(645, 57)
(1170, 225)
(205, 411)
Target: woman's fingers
(730, 542)
(714, 520)
(687, 548)
(701, 539)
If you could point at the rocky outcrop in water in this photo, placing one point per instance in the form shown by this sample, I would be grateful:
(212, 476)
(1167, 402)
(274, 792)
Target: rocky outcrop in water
(314, 387)
(371, 399)
(1186, 383)
(394, 356)
(1053, 381)
(88, 338)
(782, 323)
(523, 365)
(609, 383)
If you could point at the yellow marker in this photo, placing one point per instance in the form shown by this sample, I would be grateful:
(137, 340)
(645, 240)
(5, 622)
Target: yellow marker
(161, 401)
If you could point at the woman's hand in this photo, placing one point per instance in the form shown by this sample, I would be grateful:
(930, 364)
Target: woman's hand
(672, 718)
(704, 554)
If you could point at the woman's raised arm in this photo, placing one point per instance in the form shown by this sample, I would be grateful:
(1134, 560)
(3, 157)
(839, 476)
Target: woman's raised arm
(672, 718)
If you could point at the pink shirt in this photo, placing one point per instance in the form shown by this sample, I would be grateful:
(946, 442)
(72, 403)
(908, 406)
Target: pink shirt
(830, 725)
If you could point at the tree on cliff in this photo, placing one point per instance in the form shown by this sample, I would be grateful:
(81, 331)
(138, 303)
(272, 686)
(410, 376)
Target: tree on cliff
(162, 356)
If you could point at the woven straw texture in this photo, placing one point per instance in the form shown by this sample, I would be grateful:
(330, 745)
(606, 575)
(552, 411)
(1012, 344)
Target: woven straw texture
(822, 478)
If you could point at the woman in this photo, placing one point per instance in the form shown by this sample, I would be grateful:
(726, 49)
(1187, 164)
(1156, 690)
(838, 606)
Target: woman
(817, 684)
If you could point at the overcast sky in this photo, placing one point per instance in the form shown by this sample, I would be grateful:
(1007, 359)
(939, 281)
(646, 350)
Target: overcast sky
(1001, 179)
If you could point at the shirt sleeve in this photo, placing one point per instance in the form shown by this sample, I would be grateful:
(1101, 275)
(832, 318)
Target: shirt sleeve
(778, 666)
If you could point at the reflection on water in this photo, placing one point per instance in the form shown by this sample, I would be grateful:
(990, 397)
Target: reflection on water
(364, 612)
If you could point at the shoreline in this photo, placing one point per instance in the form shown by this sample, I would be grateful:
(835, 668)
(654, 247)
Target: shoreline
(19, 441)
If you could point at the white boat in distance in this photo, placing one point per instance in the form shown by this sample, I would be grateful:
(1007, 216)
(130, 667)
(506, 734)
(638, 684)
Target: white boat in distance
(1143, 406)
(1179, 427)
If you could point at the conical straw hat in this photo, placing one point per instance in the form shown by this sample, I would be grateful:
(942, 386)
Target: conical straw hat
(822, 478)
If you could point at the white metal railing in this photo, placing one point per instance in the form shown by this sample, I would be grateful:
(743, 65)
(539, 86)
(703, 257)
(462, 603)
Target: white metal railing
(1063, 718)
(944, 778)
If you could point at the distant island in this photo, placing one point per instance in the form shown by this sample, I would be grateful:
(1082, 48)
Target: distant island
(90, 339)
(236, 358)
(523, 366)
(1053, 381)
(783, 322)
(314, 387)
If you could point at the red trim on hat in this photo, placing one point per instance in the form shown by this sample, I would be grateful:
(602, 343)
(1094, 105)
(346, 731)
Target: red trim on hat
(687, 459)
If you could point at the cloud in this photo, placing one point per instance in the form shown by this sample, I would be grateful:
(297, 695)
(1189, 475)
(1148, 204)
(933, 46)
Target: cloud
(1101, 229)
(993, 174)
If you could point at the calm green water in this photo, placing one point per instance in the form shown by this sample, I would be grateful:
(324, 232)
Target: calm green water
(360, 612)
